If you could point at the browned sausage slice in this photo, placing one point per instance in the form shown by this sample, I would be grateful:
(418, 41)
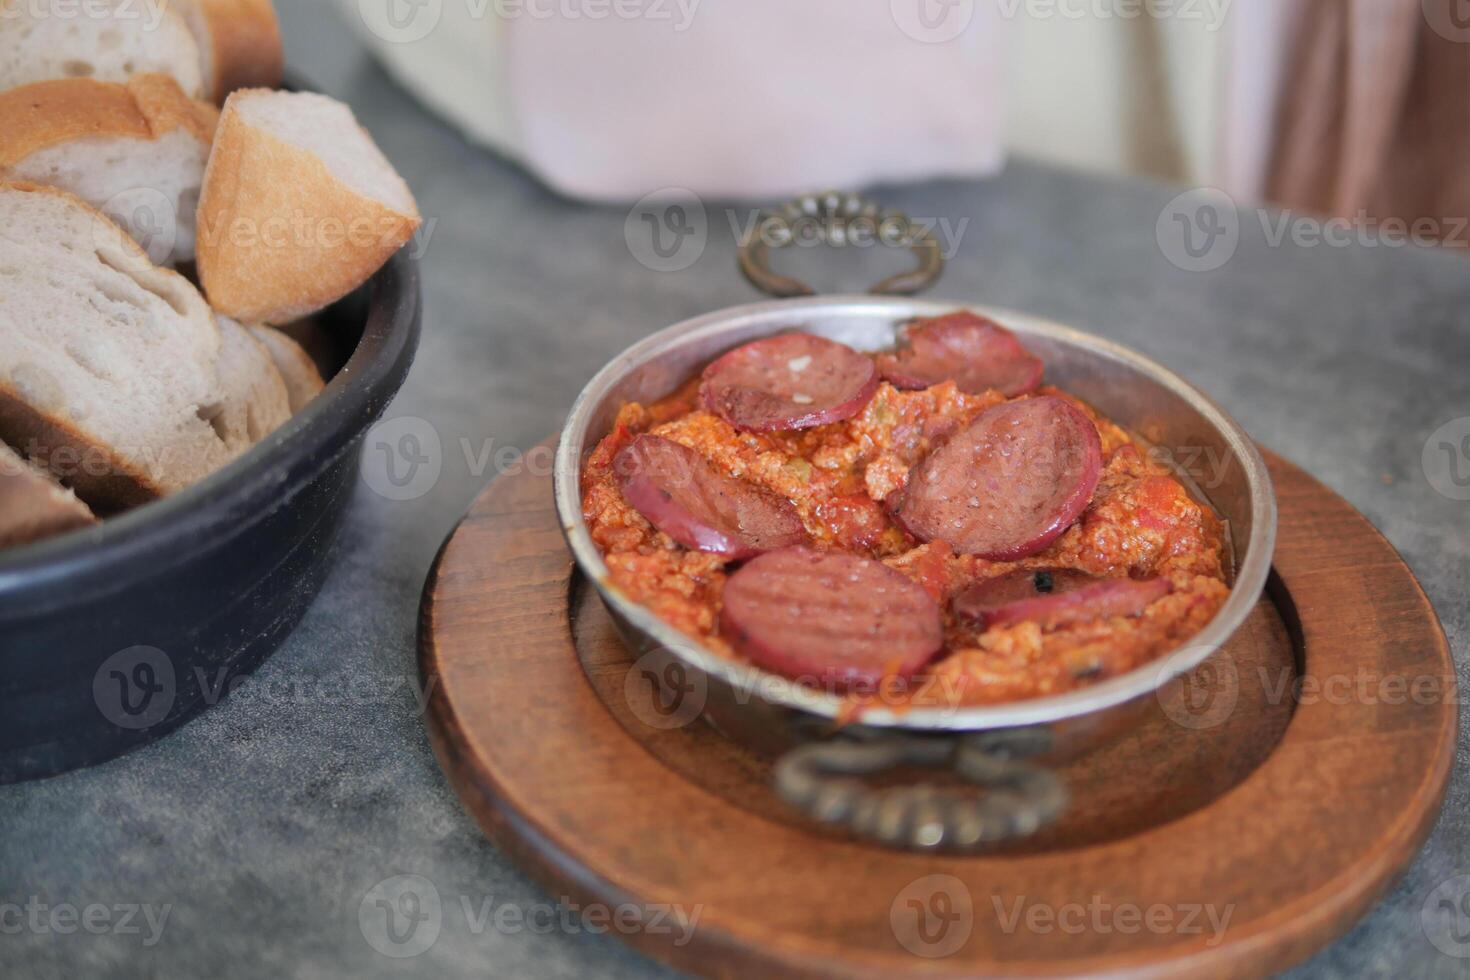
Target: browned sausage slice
(1055, 598)
(831, 617)
(792, 381)
(976, 354)
(1008, 484)
(685, 497)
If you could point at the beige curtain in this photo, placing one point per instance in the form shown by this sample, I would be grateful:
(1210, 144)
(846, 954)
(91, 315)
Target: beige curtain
(1375, 114)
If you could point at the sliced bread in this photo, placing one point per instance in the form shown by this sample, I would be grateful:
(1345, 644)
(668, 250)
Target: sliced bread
(33, 505)
(256, 401)
(299, 207)
(303, 379)
(239, 44)
(134, 150)
(107, 363)
(107, 40)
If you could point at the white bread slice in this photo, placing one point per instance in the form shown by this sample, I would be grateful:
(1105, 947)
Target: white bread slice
(256, 403)
(239, 44)
(299, 207)
(107, 363)
(134, 150)
(108, 40)
(33, 505)
(303, 379)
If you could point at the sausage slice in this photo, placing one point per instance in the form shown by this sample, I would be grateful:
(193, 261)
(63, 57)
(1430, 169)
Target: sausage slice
(976, 354)
(830, 616)
(685, 497)
(1008, 484)
(1055, 598)
(791, 381)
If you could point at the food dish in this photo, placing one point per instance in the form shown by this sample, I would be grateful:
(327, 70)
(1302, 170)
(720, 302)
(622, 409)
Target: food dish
(134, 150)
(925, 525)
(123, 385)
(33, 504)
(211, 47)
(127, 380)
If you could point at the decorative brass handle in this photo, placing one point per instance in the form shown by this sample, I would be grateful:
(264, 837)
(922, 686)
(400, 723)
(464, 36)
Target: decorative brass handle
(821, 778)
(838, 220)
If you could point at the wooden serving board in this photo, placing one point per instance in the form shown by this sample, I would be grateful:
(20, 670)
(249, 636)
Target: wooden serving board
(1235, 831)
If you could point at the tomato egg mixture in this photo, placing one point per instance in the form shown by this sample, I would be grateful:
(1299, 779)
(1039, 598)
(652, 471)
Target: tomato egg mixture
(926, 526)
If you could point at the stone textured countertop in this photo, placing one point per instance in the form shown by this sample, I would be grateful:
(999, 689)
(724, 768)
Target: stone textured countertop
(260, 827)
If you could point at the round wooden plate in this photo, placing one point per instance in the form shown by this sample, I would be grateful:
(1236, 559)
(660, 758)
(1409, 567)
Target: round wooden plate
(1263, 805)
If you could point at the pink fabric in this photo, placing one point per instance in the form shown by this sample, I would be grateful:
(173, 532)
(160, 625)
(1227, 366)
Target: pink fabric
(759, 98)
(1374, 116)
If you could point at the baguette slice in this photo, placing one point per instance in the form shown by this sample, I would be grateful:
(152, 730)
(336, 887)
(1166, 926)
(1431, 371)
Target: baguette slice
(299, 207)
(33, 505)
(107, 363)
(256, 403)
(134, 150)
(106, 40)
(239, 44)
(303, 380)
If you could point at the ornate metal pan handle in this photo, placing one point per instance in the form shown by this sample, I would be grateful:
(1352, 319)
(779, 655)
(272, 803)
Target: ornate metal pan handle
(839, 220)
(822, 778)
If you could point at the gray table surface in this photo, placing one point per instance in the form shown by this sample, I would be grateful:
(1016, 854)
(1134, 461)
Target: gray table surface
(260, 827)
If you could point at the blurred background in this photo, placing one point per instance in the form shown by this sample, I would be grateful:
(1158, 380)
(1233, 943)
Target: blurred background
(1059, 147)
(1349, 108)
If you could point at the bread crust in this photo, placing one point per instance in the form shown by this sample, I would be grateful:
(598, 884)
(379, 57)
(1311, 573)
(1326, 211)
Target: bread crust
(32, 505)
(244, 41)
(187, 72)
(29, 187)
(279, 236)
(37, 117)
(102, 478)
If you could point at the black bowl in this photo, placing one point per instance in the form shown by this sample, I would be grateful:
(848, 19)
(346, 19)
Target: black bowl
(113, 636)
